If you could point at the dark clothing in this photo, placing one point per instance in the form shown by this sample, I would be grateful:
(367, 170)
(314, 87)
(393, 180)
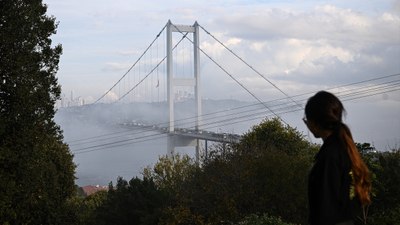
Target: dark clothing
(329, 185)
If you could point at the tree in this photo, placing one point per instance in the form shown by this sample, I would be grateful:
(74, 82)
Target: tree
(385, 175)
(170, 174)
(385, 168)
(81, 209)
(171, 171)
(36, 168)
(136, 202)
(262, 220)
(265, 173)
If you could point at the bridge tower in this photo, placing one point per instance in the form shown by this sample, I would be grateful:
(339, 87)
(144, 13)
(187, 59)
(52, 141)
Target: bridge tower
(172, 82)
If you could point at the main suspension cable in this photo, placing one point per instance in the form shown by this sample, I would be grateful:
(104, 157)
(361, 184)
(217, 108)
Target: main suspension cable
(134, 64)
(252, 68)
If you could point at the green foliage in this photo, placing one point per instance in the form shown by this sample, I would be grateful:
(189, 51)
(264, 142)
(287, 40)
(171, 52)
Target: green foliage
(261, 180)
(134, 202)
(37, 172)
(81, 210)
(385, 168)
(272, 134)
(264, 219)
(266, 172)
(170, 172)
(365, 148)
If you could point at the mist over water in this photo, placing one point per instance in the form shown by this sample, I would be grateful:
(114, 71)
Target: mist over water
(105, 149)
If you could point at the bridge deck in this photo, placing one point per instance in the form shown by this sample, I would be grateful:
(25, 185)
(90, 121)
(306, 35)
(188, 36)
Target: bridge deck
(191, 133)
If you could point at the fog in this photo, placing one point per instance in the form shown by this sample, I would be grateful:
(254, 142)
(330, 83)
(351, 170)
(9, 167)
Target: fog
(104, 148)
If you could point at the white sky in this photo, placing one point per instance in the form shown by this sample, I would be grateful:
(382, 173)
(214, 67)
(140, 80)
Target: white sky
(301, 46)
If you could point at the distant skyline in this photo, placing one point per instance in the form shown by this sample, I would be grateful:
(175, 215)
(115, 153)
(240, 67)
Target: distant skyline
(301, 46)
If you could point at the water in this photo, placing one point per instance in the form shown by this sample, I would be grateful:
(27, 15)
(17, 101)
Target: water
(99, 162)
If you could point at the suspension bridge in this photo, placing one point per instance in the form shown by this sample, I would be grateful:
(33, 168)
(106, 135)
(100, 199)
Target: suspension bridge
(168, 71)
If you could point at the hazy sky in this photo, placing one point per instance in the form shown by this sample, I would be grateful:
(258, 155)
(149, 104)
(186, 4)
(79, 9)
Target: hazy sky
(301, 46)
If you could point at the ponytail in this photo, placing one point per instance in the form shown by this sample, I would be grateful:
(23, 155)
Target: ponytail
(360, 172)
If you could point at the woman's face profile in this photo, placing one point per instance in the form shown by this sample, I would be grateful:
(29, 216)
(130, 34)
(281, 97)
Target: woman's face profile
(313, 127)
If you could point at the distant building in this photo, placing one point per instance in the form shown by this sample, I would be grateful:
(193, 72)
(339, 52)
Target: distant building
(71, 101)
(90, 189)
(182, 95)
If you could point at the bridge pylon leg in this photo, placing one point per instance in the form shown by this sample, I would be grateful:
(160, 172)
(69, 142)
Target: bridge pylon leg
(171, 145)
(197, 151)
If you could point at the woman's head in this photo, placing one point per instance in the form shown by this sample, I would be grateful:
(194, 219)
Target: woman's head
(324, 110)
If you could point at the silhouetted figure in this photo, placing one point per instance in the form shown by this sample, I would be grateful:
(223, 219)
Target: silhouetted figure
(339, 182)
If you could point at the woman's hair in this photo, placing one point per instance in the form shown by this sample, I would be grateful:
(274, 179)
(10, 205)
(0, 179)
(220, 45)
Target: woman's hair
(326, 110)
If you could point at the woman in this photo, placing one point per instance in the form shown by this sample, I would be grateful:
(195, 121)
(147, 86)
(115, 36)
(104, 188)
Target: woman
(339, 182)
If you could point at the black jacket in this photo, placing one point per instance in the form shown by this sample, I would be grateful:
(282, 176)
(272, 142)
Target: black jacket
(329, 185)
